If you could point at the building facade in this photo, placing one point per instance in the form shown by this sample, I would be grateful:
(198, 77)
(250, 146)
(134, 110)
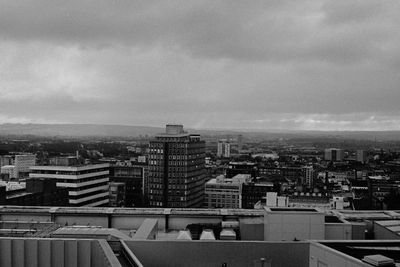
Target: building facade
(309, 176)
(361, 156)
(254, 192)
(223, 194)
(223, 149)
(133, 177)
(176, 174)
(88, 185)
(22, 164)
(37, 192)
(334, 154)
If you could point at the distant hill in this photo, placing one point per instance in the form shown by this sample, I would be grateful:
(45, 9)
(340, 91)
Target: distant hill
(77, 130)
(85, 130)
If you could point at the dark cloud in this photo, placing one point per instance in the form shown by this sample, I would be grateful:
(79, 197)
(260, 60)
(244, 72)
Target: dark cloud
(205, 63)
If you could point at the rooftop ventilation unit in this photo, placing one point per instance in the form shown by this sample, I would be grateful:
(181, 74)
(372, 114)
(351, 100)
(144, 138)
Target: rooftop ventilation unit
(184, 235)
(207, 234)
(378, 260)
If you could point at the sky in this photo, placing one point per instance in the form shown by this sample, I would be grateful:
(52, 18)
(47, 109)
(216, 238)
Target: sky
(276, 64)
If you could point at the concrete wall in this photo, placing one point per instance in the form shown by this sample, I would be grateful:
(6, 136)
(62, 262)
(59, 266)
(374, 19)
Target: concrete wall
(358, 231)
(384, 233)
(252, 228)
(321, 255)
(26, 217)
(18, 252)
(77, 219)
(180, 222)
(338, 231)
(215, 253)
(290, 225)
(134, 222)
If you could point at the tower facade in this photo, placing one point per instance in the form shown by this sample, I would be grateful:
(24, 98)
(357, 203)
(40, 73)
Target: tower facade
(176, 174)
(223, 149)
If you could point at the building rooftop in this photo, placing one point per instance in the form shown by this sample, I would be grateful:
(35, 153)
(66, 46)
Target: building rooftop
(81, 245)
(71, 168)
(89, 232)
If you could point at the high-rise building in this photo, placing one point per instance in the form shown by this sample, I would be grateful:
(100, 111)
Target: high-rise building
(176, 174)
(362, 156)
(87, 184)
(240, 142)
(309, 175)
(223, 148)
(334, 154)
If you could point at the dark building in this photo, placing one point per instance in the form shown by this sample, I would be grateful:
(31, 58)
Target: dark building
(380, 190)
(88, 185)
(254, 192)
(133, 178)
(38, 192)
(235, 168)
(290, 173)
(177, 171)
(117, 194)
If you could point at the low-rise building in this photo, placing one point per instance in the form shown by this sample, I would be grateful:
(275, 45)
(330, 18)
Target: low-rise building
(88, 185)
(224, 192)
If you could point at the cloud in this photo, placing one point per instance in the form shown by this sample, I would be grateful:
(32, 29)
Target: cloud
(208, 63)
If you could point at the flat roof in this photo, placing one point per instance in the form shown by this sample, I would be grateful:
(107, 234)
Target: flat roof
(360, 249)
(366, 214)
(294, 209)
(132, 211)
(70, 168)
(90, 231)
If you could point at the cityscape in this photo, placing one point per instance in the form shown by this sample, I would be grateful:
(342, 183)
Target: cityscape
(199, 133)
(180, 186)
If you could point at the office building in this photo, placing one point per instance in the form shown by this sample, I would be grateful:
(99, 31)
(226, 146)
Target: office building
(117, 194)
(20, 164)
(35, 192)
(253, 192)
(334, 154)
(88, 185)
(132, 177)
(176, 174)
(361, 156)
(235, 168)
(223, 192)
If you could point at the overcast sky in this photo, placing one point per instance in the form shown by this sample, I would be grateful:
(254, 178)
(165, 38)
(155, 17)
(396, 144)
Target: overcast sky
(268, 64)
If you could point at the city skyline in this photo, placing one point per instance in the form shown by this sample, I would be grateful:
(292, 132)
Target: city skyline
(310, 65)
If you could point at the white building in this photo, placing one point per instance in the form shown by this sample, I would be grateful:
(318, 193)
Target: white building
(224, 192)
(309, 176)
(8, 170)
(88, 184)
(223, 148)
(22, 164)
